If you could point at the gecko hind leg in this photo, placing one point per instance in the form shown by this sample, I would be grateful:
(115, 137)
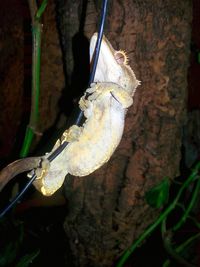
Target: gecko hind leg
(72, 134)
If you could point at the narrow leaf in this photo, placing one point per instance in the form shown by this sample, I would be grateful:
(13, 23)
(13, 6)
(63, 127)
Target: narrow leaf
(158, 196)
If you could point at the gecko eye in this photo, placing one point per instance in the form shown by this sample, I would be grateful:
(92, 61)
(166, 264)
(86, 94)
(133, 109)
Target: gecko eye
(121, 57)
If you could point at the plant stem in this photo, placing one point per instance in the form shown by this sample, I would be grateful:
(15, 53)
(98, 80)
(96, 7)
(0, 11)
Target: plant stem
(41, 9)
(167, 244)
(36, 63)
(162, 216)
(189, 207)
(182, 246)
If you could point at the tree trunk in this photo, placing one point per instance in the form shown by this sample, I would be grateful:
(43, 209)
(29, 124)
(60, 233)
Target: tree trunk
(107, 210)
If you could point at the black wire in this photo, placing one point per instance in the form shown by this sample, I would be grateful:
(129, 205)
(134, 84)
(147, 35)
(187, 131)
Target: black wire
(16, 199)
(80, 115)
(92, 74)
(99, 39)
(96, 52)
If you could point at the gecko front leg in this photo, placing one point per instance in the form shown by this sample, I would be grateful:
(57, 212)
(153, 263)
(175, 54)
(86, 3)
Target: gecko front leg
(105, 88)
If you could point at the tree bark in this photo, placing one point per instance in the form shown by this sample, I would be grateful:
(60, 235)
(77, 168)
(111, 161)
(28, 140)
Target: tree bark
(107, 210)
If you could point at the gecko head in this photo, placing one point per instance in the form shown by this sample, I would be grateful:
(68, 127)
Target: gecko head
(113, 66)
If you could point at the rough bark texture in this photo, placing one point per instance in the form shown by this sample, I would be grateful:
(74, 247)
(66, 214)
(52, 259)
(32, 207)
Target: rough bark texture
(52, 74)
(107, 210)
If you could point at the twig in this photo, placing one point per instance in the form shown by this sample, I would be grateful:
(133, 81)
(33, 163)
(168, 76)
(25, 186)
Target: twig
(16, 167)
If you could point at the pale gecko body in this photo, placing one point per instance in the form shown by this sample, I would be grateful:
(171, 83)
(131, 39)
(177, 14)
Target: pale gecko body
(91, 145)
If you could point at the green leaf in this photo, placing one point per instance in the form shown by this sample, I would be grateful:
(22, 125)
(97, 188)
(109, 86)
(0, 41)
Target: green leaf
(27, 259)
(158, 196)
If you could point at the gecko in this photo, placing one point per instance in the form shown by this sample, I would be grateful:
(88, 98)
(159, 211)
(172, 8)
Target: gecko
(104, 105)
